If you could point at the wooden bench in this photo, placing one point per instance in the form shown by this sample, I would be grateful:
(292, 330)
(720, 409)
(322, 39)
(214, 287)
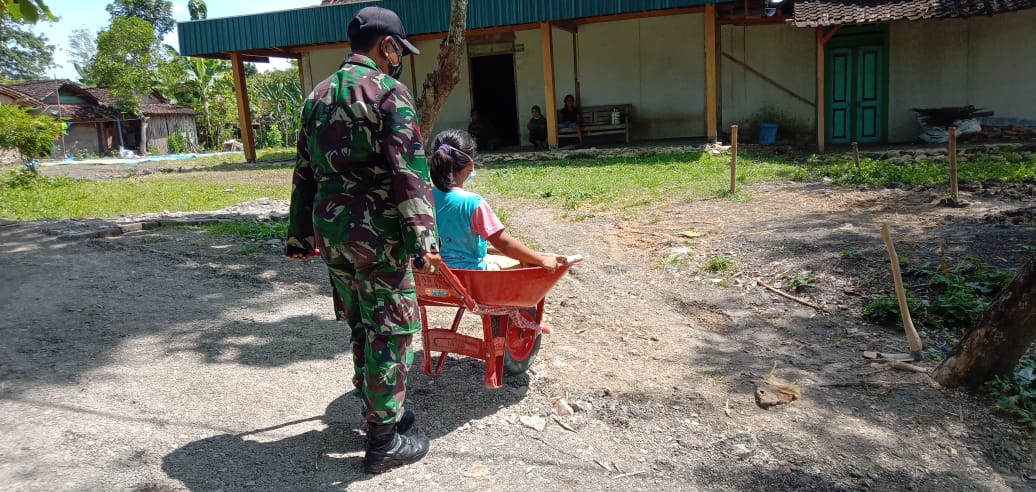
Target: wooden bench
(597, 120)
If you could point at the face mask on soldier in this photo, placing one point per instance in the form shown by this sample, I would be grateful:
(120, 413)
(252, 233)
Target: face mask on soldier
(395, 69)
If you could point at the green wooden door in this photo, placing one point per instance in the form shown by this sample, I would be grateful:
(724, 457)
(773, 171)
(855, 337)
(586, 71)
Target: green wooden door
(840, 96)
(856, 93)
(870, 94)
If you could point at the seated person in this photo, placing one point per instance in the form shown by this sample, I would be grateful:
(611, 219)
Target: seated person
(483, 131)
(569, 117)
(537, 129)
(466, 222)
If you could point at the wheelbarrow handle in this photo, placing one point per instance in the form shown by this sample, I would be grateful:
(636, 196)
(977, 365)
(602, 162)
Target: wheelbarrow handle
(573, 259)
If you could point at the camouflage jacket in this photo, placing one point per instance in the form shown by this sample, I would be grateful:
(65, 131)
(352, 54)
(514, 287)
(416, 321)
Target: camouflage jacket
(361, 173)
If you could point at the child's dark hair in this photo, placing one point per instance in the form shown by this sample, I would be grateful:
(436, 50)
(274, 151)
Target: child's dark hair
(537, 108)
(451, 151)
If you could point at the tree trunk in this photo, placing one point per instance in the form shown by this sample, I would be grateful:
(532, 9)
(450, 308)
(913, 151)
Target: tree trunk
(438, 85)
(999, 337)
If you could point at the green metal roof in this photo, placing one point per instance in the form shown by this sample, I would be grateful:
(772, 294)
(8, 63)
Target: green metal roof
(327, 24)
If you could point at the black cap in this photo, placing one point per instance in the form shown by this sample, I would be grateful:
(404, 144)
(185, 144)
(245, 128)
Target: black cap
(372, 22)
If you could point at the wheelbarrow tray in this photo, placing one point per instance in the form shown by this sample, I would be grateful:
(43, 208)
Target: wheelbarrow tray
(489, 294)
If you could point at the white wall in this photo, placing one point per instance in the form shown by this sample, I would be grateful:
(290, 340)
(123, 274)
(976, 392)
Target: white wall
(989, 62)
(657, 64)
(784, 54)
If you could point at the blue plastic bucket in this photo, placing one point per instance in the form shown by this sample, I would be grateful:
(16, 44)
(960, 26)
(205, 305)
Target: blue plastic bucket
(767, 133)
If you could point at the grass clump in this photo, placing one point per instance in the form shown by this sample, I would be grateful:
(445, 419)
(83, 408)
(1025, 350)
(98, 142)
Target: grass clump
(718, 263)
(951, 299)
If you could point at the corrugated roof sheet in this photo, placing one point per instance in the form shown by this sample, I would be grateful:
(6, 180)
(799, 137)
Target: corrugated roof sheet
(327, 24)
(815, 13)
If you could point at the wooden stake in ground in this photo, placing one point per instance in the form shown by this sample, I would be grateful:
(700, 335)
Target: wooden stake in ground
(856, 156)
(908, 324)
(953, 166)
(733, 159)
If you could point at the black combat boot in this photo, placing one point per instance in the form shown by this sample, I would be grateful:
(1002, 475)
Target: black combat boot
(405, 422)
(387, 449)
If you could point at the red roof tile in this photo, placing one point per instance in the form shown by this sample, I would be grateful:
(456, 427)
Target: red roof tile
(815, 13)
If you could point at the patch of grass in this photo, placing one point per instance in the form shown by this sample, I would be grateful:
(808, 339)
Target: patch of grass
(717, 263)
(30, 197)
(621, 183)
(951, 300)
(714, 378)
(252, 230)
(1016, 394)
(918, 173)
(799, 282)
(849, 254)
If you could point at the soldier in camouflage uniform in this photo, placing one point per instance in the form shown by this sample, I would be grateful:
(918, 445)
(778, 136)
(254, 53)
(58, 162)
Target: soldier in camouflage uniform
(361, 194)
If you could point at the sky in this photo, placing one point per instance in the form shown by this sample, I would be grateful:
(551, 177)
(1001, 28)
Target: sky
(90, 14)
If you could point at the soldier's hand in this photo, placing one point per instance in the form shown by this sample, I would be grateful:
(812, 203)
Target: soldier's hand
(429, 262)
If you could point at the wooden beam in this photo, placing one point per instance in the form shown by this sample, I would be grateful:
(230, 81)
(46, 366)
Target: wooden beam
(567, 26)
(827, 37)
(550, 102)
(711, 70)
(820, 90)
(575, 61)
(244, 113)
(768, 79)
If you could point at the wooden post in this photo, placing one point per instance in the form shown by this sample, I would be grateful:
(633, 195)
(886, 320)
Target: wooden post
(820, 89)
(856, 156)
(711, 98)
(904, 309)
(244, 113)
(575, 60)
(733, 159)
(953, 165)
(551, 105)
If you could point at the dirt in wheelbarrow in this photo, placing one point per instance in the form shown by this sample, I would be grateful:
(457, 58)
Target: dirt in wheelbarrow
(173, 359)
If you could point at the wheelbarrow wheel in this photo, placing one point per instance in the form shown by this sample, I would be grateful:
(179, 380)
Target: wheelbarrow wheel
(520, 346)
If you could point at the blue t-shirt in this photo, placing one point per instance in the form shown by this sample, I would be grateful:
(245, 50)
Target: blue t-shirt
(461, 246)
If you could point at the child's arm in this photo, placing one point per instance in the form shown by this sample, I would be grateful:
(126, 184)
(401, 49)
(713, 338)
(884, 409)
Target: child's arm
(514, 248)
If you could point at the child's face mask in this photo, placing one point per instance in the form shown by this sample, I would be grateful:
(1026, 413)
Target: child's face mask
(472, 175)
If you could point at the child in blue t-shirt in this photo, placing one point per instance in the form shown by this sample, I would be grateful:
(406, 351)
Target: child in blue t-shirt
(466, 223)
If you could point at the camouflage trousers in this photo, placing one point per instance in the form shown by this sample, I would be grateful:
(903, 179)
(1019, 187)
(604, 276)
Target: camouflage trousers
(374, 294)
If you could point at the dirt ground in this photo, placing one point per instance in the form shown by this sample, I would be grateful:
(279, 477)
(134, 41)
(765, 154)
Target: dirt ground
(166, 359)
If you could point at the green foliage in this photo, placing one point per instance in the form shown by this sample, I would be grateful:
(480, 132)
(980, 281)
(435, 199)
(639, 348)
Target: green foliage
(800, 282)
(251, 230)
(125, 61)
(30, 134)
(197, 9)
(717, 263)
(920, 173)
(849, 254)
(178, 144)
(277, 103)
(268, 137)
(23, 54)
(885, 309)
(157, 13)
(952, 300)
(28, 11)
(1016, 394)
(963, 292)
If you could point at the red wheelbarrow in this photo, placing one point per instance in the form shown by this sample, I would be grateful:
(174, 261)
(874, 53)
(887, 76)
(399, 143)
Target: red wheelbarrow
(510, 303)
